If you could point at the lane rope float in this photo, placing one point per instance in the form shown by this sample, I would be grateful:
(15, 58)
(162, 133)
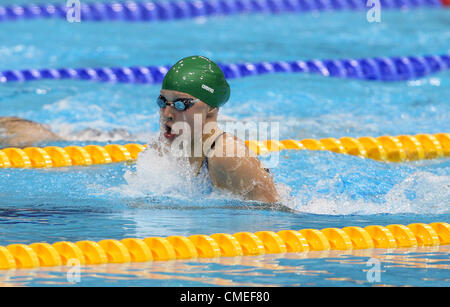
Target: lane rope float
(223, 245)
(148, 11)
(399, 68)
(384, 148)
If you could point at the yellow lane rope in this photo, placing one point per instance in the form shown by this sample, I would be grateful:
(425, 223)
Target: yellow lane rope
(384, 148)
(223, 245)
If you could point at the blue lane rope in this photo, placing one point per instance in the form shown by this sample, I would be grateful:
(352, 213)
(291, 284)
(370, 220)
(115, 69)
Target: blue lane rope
(182, 9)
(376, 69)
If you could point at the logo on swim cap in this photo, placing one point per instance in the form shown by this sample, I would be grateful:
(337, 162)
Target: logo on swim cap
(205, 87)
(189, 76)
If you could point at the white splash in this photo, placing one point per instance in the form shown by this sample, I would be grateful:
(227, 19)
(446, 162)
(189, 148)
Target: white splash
(164, 175)
(431, 193)
(419, 193)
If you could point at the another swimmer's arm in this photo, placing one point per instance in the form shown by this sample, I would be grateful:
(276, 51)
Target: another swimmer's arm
(244, 176)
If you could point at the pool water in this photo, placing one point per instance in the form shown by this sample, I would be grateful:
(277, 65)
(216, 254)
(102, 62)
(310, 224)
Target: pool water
(423, 266)
(154, 197)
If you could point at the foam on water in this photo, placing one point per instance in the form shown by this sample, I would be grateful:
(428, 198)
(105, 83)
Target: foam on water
(366, 187)
(419, 193)
(165, 174)
(371, 187)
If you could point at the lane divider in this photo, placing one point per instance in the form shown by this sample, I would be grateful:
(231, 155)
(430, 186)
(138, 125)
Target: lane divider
(398, 68)
(384, 148)
(186, 9)
(223, 245)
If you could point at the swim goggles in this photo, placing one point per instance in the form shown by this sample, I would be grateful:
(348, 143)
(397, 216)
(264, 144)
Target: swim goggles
(181, 104)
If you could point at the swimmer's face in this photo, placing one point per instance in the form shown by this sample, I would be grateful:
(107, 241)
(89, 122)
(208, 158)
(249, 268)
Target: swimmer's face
(172, 120)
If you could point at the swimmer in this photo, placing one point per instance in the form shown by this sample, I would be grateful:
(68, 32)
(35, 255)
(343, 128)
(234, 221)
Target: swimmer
(18, 132)
(192, 92)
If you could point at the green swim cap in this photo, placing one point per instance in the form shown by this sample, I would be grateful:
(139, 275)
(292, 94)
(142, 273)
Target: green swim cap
(199, 77)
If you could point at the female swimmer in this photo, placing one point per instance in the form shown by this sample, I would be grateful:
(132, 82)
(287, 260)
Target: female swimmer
(192, 92)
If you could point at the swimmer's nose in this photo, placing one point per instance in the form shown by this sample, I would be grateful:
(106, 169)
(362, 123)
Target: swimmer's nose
(167, 113)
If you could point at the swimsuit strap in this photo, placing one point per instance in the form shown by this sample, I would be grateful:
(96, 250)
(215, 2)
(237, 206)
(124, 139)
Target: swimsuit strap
(214, 143)
(205, 161)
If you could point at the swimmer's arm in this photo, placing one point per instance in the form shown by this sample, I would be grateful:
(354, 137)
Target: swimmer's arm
(244, 176)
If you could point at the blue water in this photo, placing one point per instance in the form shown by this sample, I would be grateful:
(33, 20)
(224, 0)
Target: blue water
(155, 198)
(422, 266)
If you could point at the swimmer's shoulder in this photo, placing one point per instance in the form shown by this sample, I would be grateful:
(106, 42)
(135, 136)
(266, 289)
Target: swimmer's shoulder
(230, 153)
(228, 145)
(239, 170)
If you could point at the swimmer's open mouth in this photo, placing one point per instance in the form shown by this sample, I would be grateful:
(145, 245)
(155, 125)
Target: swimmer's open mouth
(168, 132)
